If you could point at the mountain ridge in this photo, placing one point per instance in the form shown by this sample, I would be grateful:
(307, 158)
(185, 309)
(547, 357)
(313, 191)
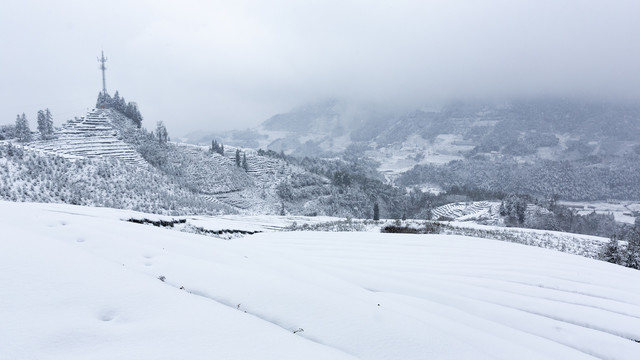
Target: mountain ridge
(521, 126)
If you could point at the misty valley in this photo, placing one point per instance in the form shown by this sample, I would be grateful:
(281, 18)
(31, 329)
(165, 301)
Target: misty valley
(468, 198)
(561, 176)
(523, 164)
(320, 180)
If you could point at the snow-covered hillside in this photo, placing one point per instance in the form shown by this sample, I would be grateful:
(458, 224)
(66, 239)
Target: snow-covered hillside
(28, 175)
(81, 283)
(95, 135)
(104, 159)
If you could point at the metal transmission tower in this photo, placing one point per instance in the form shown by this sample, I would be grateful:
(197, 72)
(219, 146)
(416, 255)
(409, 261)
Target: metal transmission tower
(103, 60)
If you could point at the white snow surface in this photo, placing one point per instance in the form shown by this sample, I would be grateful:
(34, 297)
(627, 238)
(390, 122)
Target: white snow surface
(621, 210)
(80, 283)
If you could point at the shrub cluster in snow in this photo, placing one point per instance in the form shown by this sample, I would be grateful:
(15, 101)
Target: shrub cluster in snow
(30, 176)
(624, 247)
(587, 246)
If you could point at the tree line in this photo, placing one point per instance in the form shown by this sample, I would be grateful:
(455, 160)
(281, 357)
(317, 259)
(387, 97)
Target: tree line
(117, 102)
(570, 180)
(623, 247)
(21, 130)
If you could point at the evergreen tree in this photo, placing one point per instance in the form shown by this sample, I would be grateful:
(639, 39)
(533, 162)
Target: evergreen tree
(612, 251)
(48, 118)
(376, 212)
(45, 124)
(238, 157)
(429, 212)
(116, 101)
(216, 147)
(100, 101)
(632, 258)
(104, 101)
(7, 131)
(135, 114)
(161, 133)
(513, 208)
(553, 201)
(633, 246)
(129, 111)
(245, 166)
(121, 105)
(23, 133)
(42, 126)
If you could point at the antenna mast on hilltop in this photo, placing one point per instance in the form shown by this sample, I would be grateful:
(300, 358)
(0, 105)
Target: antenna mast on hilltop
(103, 60)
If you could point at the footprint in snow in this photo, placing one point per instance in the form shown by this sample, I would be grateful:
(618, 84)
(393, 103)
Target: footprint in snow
(107, 315)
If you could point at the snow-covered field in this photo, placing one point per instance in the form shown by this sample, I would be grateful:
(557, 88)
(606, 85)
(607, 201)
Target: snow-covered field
(621, 210)
(400, 158)
(80, 283)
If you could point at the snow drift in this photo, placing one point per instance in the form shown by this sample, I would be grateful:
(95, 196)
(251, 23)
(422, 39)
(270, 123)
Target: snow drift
(81, 283)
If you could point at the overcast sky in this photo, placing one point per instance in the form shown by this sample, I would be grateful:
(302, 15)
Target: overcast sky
(219, 65)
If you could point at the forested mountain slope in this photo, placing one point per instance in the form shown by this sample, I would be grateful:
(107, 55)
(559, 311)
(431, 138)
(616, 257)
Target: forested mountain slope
(571, 128)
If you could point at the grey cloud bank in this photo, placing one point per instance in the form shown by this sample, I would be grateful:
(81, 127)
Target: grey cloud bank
(223, 65)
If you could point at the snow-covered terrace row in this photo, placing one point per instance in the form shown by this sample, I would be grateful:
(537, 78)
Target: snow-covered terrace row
(80, 283)
(92, 136)
(459, 209)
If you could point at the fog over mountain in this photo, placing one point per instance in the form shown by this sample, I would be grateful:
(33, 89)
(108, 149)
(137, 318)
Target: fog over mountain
(320, 179)
(217, 65)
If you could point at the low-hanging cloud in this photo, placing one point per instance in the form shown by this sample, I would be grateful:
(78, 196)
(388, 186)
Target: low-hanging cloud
(220, 65)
